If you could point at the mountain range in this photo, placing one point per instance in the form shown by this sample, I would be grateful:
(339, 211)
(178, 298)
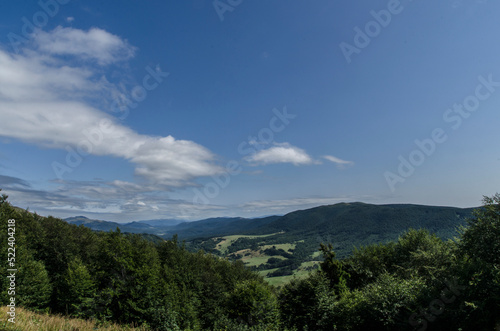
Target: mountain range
(344, 224)
(184, 230)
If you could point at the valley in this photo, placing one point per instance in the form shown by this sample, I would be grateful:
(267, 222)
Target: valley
(280, 248)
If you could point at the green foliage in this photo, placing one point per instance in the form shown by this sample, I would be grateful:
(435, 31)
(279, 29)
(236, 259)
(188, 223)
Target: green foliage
(480, 267)
(367, 263)
(421, 253)
(253, 303)
(33, 287)
(481, 239)
(333, 269)
(382, 305)
(306, 303)
(80, 289)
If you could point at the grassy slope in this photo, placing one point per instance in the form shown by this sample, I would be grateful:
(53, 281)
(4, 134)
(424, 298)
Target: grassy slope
(30, 321)
(227, 241)
(257, 257)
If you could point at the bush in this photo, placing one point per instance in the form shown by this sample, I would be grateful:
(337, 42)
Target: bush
(253, 303)
(383, 305)
(305, 304)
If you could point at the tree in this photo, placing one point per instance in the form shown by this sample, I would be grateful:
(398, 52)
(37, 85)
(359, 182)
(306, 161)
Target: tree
(481, 240)
(253, 303)
(33, 286)
(480, 267)
(80, 289)
(127, 269)
(367, 263)
(418, 252)
(382, 305)
(306, 304)
(333, 268)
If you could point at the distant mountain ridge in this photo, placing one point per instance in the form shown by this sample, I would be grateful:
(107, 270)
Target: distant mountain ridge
(99, 225)
(369, 218)
(362, 220)
(185, 230)
(161, 222)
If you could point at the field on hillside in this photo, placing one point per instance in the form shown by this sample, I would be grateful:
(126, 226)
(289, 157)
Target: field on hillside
(301, 272)
(227, 241)
(276, 261)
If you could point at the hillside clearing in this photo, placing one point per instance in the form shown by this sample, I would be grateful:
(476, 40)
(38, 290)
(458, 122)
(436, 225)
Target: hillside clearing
(227, 241)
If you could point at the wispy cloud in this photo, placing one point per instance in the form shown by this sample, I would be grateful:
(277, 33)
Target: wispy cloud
(8, 181)
(94, 44)
(49, 101)
(115, 201)
(281, 153)
(339, 162)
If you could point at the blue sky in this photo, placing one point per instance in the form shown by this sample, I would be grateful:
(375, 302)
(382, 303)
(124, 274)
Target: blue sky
(128, 110)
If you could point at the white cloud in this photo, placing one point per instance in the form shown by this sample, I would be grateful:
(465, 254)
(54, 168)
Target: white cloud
(281, 153)
(95, 44)
(30, 78)
(339, 162)
(172, 162)
(44, 100)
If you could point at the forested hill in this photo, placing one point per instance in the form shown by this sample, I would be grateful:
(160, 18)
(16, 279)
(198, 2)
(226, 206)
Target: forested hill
(359, 223)
(362, 218)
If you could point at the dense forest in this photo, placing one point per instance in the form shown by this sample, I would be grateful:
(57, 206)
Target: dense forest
(418, 282)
